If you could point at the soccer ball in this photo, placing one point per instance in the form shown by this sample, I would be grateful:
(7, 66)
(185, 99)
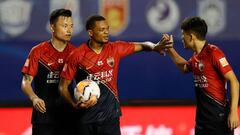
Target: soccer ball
(84, 89)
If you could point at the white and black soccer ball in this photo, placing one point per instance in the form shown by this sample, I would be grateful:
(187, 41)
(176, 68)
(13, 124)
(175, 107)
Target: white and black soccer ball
(84, 89)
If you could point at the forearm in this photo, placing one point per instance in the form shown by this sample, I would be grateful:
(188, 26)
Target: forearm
(178, 60)
(67, 96)
(27, 87)
(234, 93)
(144, 46)
(29, 92)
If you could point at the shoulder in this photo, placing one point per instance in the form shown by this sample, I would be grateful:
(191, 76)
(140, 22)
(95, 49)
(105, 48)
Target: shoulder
(82, 48)
(215, 53)
(79, 51)
(118, 43)
(40, 47)
(214, 50)
(71, 46)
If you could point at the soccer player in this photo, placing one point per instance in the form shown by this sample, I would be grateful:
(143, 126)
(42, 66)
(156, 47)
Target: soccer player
(98, 60)
(211, 71)
(42, 68)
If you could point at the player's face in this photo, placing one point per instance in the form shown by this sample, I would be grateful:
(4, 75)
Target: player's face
(187, 40)
(63, 28)
(100, 33)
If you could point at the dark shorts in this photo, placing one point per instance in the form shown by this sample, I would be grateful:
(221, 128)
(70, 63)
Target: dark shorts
(212, 122)
(51, 129)
(110, 127)
(43, 129)
(61, 121)
(219, 128)
(211, 116)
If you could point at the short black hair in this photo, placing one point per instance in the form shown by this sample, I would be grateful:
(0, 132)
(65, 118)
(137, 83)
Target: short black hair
(59, 12)
(90, 24)
(195, 25)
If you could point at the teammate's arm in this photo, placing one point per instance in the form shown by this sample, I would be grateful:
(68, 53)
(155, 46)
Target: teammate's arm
(143, 46)
(26, 86)
(234, 93)
(63, 88)
(149, 46)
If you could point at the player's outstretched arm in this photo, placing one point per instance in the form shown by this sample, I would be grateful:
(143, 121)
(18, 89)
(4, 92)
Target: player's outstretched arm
(144, 46)
(149, 46)
(63, 88)
(233, 120)
(26, 86)
(178, 60)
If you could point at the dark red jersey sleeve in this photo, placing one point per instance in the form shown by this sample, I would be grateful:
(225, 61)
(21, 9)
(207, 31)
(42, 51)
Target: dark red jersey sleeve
(124, 48)
(31, 64)
(220, 61)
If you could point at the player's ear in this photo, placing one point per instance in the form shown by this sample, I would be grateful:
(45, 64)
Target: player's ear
(90, 33)
(51, 27)
(193, 36)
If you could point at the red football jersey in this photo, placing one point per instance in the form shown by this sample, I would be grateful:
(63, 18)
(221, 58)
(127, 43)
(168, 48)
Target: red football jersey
(208, 68)
(102, 67)
(45, 63)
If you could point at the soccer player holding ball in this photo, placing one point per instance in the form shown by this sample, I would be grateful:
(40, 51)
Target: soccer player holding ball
(98, 60)
(42, 68)
(215, 115)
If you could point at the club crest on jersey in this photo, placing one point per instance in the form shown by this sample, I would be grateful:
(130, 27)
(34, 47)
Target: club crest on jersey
(60, 61)
(116, 12)
(200, 66)
(110, 61)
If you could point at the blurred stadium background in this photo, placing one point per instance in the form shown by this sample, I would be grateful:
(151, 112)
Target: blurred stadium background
(157, 98)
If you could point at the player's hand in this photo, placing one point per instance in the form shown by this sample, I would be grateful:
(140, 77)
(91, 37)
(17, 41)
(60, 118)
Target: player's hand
(165, 43)
(233, 120)
(39, 104)
(75, 105)
(89, 103)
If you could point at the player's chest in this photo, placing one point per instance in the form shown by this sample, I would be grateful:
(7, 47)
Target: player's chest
(95, 62)
(53, 60)
(202, 65)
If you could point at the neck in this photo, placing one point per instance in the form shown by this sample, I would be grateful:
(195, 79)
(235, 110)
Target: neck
(199, 46)
(96, 47)
(58, 44)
